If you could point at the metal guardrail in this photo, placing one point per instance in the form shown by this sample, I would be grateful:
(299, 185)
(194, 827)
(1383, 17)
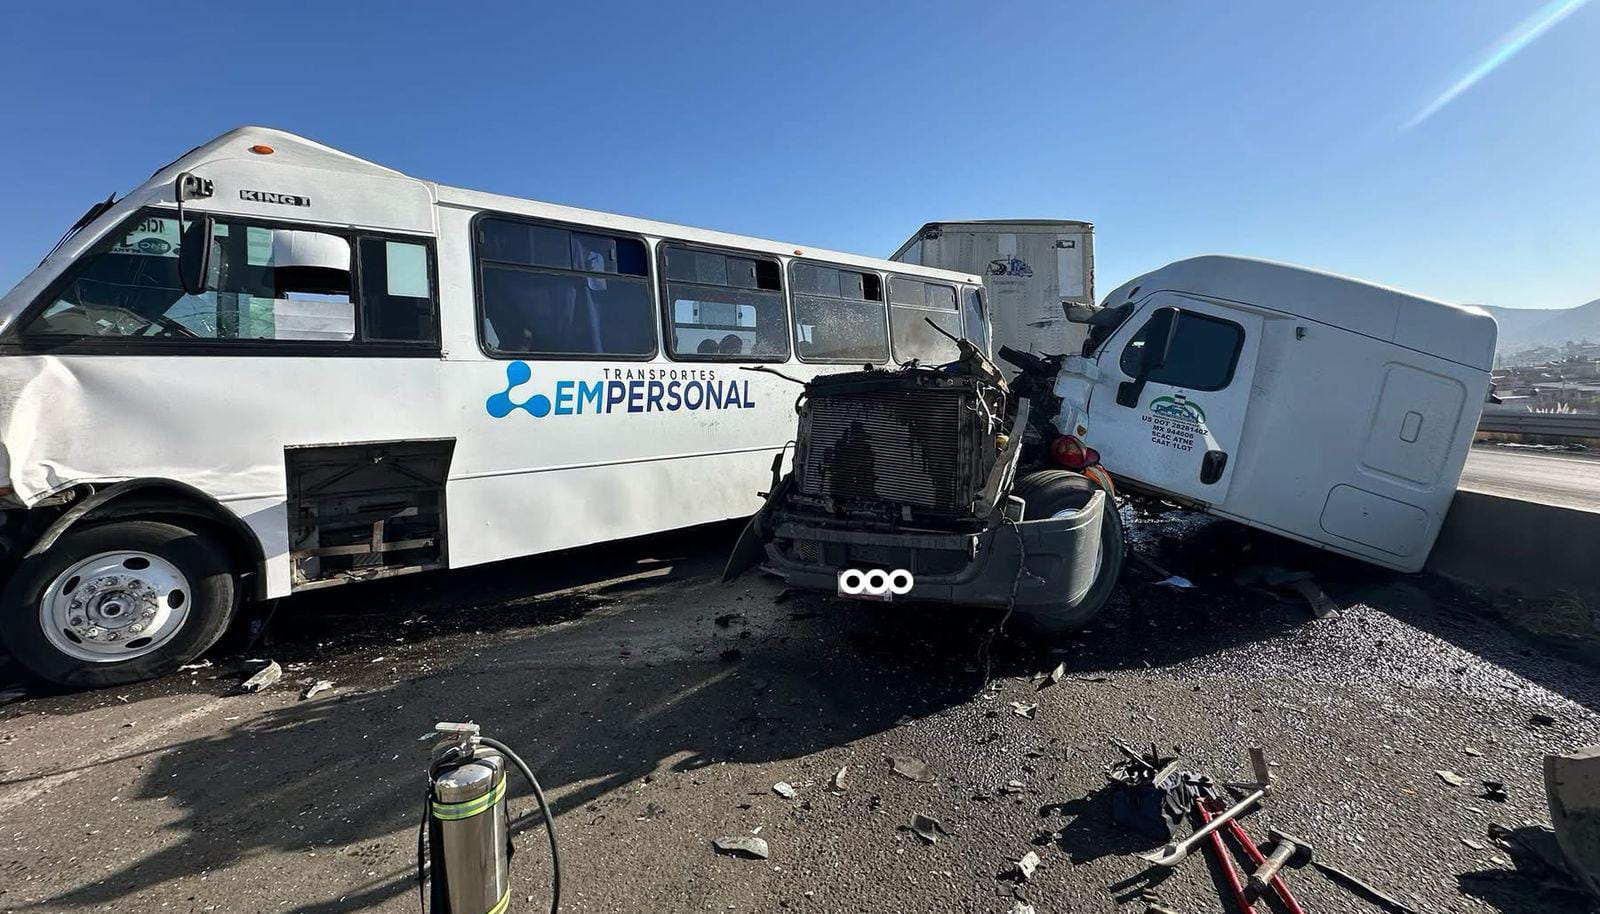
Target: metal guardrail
(1561, 425)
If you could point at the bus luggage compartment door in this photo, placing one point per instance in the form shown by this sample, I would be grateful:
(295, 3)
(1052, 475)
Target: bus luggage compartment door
(367, 510)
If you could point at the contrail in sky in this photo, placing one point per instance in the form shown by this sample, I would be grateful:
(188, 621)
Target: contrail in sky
(1504, 49)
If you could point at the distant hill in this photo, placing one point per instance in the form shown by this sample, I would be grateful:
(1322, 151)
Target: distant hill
(1527, 328)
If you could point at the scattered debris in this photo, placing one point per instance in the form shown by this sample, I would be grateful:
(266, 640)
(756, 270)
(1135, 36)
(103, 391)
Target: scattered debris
(910, 767)
(1276, 578)
(837, 784)
(727, 619)
(1025, 867)
(1496, 791)
(1176, 582)
(1475, 845)
(1472, 752)
(1321, 604)
(316, 688)
(1451, 778)
(264, 678)
(1541, 719)
(784, 789)
(1013, 787)
(1024, 710)
(927, 828)
(746, 846)
(197, 665)
(1054, 676)
(1021, 908)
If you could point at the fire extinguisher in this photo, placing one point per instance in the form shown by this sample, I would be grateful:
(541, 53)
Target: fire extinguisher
(464, 843)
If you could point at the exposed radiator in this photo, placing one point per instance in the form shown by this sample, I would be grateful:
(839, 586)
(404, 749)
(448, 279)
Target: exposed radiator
(906, 447)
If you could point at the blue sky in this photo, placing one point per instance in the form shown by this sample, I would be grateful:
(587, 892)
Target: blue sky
(1260, 128)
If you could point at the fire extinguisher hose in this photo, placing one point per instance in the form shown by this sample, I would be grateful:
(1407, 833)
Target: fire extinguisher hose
(544, 808)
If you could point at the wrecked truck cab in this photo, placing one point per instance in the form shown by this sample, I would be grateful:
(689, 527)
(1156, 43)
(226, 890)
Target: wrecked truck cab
(915, 470)
(1322, 408)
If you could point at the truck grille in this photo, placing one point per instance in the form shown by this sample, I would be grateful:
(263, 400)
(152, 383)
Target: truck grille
(900, 446)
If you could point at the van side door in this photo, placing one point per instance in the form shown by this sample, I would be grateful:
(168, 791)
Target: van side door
(1167, 409)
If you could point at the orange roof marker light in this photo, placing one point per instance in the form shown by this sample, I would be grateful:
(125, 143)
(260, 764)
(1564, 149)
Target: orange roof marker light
(261, 149)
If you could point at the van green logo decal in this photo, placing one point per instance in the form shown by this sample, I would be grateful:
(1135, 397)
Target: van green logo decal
(1178, 407)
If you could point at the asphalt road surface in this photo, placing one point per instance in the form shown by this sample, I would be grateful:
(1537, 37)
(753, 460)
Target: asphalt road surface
(1551, 477)
(659, 706)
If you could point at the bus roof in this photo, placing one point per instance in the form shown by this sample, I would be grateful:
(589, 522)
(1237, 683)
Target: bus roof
(291, 149)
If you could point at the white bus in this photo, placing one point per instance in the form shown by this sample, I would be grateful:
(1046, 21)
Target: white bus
(276, 366)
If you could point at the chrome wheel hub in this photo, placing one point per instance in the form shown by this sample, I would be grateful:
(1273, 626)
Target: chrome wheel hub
(115, 606)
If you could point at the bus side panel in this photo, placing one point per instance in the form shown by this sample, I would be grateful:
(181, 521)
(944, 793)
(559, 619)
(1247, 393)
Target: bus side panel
(500, 517)
(218, 423)
(583, 452)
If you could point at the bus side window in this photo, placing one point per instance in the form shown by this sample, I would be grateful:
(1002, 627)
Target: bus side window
(396, 292)
(912, 304)
(562, 292)
(723, 307)
(838, 315)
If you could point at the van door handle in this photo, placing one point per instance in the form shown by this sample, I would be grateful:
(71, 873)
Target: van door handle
(1212, 465)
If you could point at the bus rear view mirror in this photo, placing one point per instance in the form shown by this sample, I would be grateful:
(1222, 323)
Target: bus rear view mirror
(194, 254)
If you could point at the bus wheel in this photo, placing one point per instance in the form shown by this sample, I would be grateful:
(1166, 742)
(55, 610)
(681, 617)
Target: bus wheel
(118, 602)
(1048, 493)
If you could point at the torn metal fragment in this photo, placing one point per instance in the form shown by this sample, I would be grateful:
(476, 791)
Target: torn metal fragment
(316, 688)
(265, 677)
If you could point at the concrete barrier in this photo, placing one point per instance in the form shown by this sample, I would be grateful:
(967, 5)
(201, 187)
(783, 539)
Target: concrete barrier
(1507, 544)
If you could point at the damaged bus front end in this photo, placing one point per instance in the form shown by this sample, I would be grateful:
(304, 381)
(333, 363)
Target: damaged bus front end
(936, 472)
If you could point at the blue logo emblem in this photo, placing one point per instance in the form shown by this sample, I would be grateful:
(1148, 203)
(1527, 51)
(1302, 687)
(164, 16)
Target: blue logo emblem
(653, 390)
(501, 405)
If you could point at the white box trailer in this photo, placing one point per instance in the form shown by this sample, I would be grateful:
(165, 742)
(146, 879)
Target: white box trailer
(1326, 409)
(1032, 270)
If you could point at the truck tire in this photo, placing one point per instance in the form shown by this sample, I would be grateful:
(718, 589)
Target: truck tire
(119, 602)
(1047, 493)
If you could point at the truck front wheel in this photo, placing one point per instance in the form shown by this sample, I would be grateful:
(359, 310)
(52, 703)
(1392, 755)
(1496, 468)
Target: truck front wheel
(1049, 493)
(118, 602)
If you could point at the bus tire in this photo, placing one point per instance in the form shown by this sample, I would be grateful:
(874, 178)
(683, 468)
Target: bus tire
(118, 602)
(1048, 492)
